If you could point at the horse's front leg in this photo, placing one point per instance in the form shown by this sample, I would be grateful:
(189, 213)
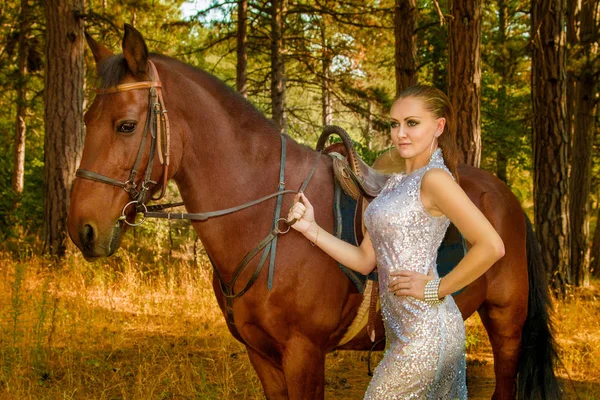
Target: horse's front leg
(270, 375)
(304, 369)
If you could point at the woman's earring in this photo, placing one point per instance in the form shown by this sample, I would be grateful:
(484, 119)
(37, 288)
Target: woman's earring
(431, 148)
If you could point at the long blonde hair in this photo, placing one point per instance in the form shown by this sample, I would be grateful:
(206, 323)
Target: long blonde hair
(437, 103)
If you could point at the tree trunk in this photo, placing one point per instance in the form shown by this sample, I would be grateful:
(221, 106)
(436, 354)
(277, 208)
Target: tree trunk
(63, 141)
(21, 88)
(595, 249)
(278, 65)
(242, 54)
(581, 162)
(572, 26)
(326, 98)
(550, 184)
(464, 76)
(501, 159)
(405, 24)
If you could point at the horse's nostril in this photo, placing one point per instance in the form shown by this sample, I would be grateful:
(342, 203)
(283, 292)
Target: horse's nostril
(88, 235)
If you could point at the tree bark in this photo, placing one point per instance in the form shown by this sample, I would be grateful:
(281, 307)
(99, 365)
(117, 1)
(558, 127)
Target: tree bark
(583, 135)
(550, 142)
(278, 8)
(595, 249)
(242, 44)
(501, 111)
(572, 25)
(64, 97)
(21, 89)
(326, 98)
(464, 76)
(405, 24)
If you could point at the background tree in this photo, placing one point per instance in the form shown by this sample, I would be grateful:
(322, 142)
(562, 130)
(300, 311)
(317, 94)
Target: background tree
(21, 63)
(506, 94)
(465, 76)
(584, 55)
(340, 66)
(21, 89)
(405, 25)
(242, 53)
(550, 142)
(278, 85)
(64, 115)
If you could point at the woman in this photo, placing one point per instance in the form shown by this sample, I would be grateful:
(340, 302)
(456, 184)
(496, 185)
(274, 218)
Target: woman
(406, 223)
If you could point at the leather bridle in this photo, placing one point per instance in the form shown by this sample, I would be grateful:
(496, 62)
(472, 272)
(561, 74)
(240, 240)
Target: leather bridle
(157, 126)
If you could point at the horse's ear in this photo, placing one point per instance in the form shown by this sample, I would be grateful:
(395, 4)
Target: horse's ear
(100, 52)
(135, 52)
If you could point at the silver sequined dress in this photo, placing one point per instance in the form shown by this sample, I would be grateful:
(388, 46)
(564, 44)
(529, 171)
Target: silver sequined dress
(425, 352)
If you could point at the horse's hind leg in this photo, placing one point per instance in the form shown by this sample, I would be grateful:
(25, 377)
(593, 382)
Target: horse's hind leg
(304, 368)
(270, 375)
(504, 325)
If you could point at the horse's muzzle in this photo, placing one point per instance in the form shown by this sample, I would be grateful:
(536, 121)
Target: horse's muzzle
(93, 245)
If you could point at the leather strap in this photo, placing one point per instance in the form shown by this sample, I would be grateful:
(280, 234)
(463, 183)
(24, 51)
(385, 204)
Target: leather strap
(277, 213)
(206, 215)
(124, 87)
(84, 173)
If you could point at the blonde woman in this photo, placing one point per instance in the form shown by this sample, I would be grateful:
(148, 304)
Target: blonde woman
(425, 356)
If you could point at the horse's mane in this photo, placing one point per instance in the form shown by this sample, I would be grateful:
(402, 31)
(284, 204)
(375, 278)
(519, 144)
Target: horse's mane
(113, 70)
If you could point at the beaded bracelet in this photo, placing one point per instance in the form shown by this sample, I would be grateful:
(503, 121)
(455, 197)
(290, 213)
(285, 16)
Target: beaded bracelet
(432, 292)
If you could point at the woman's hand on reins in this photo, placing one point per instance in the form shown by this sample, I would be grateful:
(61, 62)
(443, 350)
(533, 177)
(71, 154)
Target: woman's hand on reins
(304, 214)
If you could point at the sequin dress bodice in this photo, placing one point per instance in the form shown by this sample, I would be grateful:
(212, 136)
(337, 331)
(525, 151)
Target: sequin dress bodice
(425, 351)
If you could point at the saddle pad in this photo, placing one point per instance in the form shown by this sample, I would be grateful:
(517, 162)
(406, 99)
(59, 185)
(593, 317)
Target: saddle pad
(450, 252)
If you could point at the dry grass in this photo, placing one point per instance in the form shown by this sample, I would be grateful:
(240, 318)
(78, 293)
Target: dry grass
(123, 329)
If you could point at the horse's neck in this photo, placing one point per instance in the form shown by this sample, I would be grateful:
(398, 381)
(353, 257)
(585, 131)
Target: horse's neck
(226, 160)
(225, 156)
(224, 169)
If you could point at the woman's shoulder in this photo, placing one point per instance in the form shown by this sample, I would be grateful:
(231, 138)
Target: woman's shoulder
(437, 179)
(437, 172)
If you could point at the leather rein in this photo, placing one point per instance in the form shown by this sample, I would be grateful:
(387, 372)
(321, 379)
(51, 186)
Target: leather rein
(157, 125)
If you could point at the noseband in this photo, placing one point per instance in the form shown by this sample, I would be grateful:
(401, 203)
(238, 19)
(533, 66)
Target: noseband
(157, 125)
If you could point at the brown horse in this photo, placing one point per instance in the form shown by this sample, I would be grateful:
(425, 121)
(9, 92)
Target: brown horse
(223, 153)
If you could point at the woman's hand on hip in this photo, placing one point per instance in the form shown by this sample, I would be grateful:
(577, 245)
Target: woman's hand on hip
(409, 283)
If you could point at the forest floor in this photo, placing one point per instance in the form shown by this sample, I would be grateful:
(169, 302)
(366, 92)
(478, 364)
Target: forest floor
(121, 330)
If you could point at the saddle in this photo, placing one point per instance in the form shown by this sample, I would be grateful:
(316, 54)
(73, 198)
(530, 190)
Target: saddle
(362, 183)
(355, 176)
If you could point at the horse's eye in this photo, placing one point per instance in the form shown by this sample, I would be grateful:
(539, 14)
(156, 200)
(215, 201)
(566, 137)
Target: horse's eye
(126, 127)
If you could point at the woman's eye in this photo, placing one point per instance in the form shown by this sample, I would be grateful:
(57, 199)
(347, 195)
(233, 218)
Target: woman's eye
(126, 127)
(394, 124)
(412, 123)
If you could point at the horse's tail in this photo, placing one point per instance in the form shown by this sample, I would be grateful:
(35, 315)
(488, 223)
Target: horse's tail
(536, 376)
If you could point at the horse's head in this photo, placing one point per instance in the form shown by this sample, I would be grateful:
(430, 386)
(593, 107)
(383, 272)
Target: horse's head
(124, 150)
